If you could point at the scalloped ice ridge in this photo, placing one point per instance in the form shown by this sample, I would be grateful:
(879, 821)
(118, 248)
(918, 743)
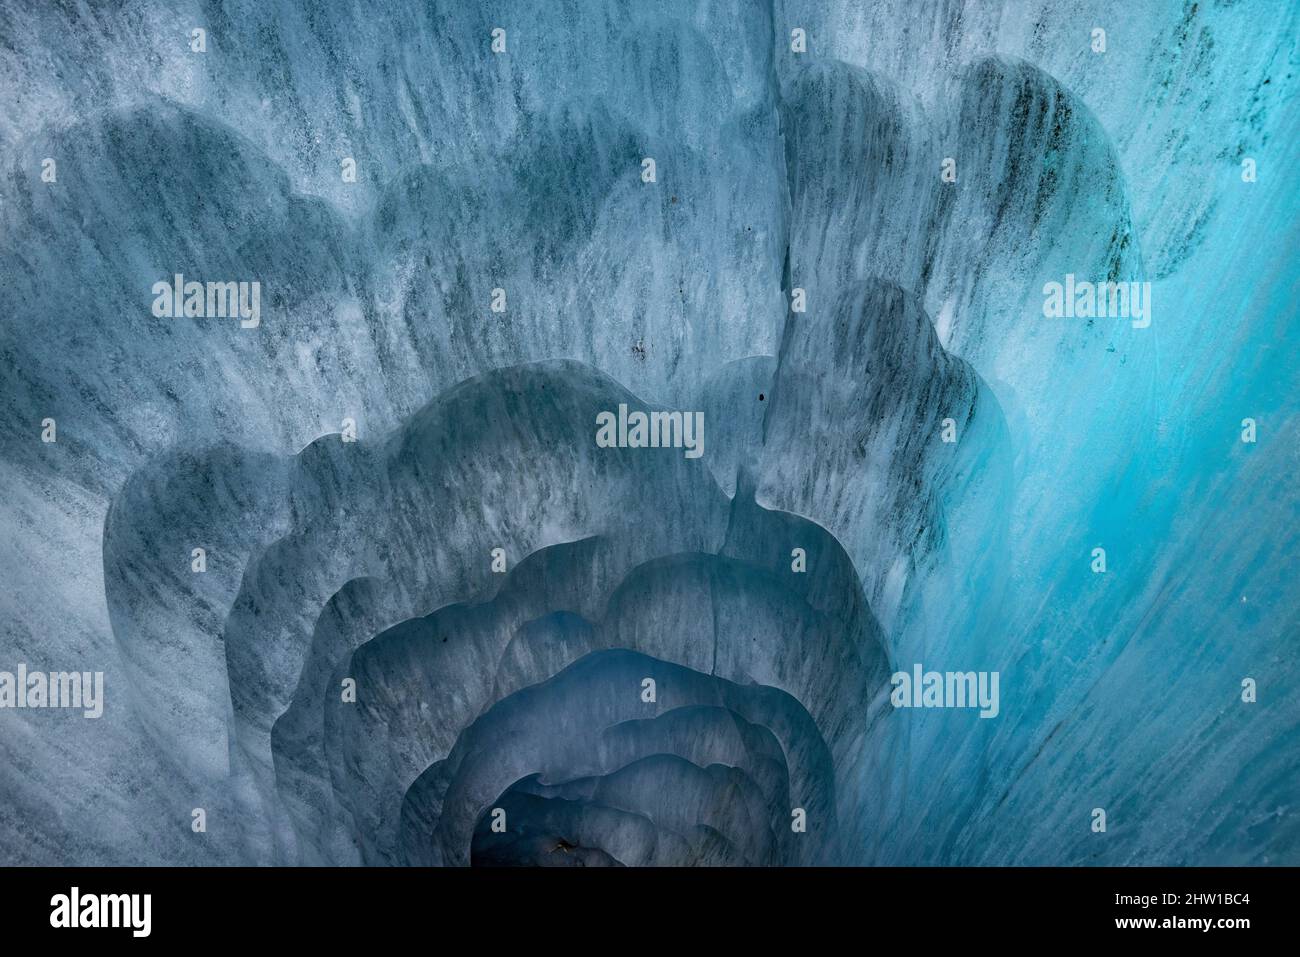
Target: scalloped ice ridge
(372, 561)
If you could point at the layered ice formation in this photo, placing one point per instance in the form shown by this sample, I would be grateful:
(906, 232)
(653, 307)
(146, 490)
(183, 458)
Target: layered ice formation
(310, 315)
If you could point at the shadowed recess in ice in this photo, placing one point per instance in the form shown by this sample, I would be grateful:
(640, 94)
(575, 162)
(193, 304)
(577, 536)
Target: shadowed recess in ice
(474, 636)
(726, 605)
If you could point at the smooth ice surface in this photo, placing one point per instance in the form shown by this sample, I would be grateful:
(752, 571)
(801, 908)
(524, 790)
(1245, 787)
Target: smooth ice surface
(828, 536)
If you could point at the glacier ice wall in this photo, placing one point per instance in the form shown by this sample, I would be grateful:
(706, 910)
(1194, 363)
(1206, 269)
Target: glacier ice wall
(906, 462)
